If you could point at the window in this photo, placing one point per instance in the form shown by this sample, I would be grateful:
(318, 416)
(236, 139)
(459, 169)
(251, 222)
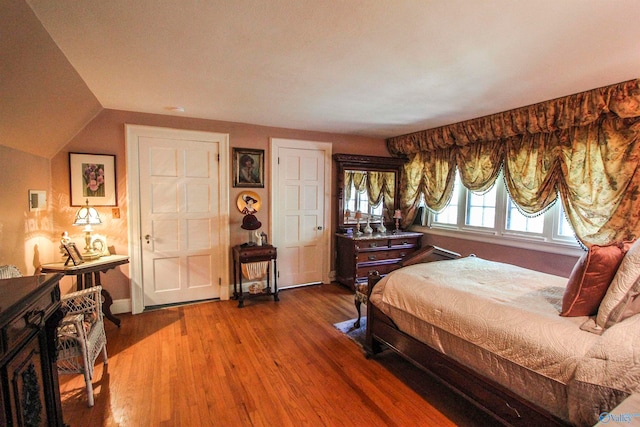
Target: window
(494, 213)
(360, 202)
(516, 221)
(481, 209)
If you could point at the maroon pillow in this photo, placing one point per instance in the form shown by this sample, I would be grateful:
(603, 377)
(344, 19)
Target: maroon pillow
(590, 279)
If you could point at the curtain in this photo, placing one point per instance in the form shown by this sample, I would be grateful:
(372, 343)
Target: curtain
(379, 186)
(582, 147)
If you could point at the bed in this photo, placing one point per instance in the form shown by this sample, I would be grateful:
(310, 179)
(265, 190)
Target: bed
(492, 332)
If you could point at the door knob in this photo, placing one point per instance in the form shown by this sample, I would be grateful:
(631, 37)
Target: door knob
(147, 237)
(319, 227)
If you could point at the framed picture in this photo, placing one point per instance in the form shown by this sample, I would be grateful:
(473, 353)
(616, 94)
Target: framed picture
(73, 252)
(92, 178)
(248, 168)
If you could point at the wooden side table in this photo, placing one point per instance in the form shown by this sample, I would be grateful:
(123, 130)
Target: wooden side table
(248, 254)
(88, 274)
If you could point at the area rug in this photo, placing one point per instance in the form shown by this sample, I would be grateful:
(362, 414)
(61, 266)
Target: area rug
(356, 334)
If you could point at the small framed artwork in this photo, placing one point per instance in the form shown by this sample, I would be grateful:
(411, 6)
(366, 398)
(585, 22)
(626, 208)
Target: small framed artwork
(92, 178)
(248, 168)
(74, 254)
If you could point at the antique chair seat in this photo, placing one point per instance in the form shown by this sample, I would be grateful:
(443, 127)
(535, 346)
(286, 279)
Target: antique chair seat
(81, 336)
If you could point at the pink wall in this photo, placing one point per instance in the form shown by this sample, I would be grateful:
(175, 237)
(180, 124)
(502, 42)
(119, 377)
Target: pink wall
(560, 265)
(29, 239)
(106, 135)
(25, 237)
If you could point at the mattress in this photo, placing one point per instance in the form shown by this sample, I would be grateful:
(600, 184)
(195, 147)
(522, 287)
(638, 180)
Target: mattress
(503, 322)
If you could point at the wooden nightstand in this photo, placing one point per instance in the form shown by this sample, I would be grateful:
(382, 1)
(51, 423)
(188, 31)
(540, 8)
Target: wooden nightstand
(248, 254)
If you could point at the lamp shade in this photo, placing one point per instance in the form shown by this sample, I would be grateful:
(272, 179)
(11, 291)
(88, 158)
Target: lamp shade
(397, 214)
(87, 215)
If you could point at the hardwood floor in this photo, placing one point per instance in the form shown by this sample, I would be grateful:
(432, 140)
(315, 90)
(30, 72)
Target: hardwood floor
(268, 364)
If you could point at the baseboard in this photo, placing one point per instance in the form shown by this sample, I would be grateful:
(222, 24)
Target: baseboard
(121, 306)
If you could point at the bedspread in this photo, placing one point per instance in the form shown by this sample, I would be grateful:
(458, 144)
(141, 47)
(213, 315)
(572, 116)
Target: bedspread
(503, 321)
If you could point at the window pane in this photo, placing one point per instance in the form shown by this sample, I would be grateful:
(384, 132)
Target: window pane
(564, 228)
(518, 222)
(450, 214)
(481, 209)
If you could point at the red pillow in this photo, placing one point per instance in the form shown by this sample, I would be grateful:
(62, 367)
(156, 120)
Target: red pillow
(590, 279)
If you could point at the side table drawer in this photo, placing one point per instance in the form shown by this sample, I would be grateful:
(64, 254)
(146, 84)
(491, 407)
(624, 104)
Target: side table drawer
(257, 253)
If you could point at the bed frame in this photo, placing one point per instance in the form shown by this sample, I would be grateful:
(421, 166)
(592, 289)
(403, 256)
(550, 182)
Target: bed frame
(499, 402)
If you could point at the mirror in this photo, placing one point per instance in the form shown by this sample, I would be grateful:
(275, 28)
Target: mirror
(368, 191)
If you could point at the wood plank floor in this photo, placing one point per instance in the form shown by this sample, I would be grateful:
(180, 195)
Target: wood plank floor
(268, 364)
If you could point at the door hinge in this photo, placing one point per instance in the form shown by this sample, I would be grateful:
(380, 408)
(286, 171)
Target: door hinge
(219, 281)
(278, 160)
(218, 158)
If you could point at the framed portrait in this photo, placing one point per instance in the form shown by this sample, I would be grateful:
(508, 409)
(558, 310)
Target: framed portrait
(248, 168)
(92, 177)
(74, 254)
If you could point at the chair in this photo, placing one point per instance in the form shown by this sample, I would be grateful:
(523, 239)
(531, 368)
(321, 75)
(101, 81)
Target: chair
(360, 297)
(81, 335)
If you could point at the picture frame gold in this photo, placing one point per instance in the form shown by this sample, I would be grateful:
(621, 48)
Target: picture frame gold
(248, 168)
(92, 178)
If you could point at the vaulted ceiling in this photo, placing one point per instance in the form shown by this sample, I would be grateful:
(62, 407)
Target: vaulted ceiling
(375, 68)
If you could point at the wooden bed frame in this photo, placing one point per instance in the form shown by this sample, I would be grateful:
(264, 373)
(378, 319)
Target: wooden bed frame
(499, 402)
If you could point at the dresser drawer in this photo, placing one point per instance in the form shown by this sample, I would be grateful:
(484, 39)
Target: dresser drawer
(404, 242)
(383, 255)
(372, 244)
(29, 320)
(363, 271)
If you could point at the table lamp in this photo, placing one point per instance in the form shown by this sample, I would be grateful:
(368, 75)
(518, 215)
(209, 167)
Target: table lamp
(88, 216)
(397, 215)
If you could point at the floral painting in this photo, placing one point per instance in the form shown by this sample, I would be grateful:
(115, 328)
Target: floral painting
(93, 179)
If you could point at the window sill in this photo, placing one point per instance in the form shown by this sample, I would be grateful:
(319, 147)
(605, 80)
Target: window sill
(534, 244)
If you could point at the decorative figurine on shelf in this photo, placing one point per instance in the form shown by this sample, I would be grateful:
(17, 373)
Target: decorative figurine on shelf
(368, 229)
(251, 223)
(381, 228)
(64, 240)
(397, 215)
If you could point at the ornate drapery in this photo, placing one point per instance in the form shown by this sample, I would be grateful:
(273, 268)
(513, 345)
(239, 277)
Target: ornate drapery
(583, 147)
(378, 185)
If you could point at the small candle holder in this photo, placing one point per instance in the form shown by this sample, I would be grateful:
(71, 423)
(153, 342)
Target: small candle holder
(397, 215)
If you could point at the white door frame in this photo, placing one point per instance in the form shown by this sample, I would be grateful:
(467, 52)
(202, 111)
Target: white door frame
(275, 145)
(132, 132)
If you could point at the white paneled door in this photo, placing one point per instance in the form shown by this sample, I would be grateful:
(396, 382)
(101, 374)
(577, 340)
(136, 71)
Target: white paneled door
(301, 171)
(183, 223)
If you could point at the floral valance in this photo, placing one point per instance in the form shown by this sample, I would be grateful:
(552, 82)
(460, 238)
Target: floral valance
(584, 147)
(581, 109)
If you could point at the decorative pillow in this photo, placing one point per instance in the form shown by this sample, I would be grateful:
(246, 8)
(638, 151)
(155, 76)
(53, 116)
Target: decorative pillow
(590, 278)
(618, 302)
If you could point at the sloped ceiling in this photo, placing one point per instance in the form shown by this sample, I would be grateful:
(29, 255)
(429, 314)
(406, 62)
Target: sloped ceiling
(375, 68)
(44, 102)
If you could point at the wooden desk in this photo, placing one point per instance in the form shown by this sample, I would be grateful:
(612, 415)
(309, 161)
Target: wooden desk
(248, 254)
(88, 274)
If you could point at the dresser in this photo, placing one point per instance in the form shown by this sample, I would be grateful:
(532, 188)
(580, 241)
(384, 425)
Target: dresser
(382, 252)
(29, 314)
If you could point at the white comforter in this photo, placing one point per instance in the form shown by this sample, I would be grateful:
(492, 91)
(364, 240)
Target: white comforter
(503, 321)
